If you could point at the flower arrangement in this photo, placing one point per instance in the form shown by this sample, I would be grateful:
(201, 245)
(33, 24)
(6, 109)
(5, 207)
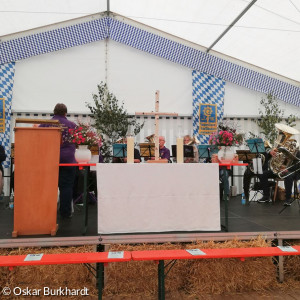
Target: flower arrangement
(84, 134)
(225, 136)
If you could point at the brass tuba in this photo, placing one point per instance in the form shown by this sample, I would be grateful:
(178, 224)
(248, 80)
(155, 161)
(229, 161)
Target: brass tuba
(284, 141)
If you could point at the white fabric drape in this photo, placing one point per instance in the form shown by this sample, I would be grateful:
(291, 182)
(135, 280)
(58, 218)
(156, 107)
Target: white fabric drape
(158, 198)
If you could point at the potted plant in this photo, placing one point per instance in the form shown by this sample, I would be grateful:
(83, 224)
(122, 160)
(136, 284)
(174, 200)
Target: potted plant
(85, 137)
(225, 139)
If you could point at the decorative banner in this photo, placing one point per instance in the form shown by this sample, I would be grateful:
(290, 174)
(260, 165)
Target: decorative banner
(7, 72)
(2, 115)
(208, 98)
(208, 118)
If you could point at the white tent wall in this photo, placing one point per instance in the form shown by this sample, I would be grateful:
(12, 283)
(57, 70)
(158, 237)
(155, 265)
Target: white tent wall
(69, 76)
(243, 102)
(134, 76)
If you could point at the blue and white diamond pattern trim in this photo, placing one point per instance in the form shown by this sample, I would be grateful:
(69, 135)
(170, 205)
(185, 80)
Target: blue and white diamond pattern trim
(54, 40)
(203, 62)
(207, 89)
(7, 72)
(109, 27)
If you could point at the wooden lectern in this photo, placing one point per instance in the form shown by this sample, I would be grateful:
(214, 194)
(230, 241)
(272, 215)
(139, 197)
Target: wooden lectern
(37, 151)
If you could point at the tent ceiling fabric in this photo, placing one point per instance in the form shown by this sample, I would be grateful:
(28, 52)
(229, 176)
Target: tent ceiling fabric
(267, 36)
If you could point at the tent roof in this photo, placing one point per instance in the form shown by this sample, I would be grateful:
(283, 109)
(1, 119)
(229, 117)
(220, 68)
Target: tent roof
(267, 35)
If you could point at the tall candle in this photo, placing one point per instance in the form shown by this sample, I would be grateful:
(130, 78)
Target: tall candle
(130, 149)
(179, 150)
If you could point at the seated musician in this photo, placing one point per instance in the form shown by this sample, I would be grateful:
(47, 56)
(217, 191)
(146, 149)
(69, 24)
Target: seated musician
(248, 174)
(137, 156)
(264, 178)
(164, 152)
(2, 159)
(293, 173)
(278, 163)
(188, 140)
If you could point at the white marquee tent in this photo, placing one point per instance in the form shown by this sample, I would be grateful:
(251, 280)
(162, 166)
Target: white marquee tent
(232, 52)
(267, 35)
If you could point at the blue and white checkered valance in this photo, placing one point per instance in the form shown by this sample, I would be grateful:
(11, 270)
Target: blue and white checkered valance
(7, 72)
(207, 89)
(109, 27)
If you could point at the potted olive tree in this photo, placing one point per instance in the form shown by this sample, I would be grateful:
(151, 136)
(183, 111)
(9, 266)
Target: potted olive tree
(111, 119)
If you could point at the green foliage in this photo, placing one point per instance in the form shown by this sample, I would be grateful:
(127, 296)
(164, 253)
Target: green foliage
(111, 119)
(270, 115)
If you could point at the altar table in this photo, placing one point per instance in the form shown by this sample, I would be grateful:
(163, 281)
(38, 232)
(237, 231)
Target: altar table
(139, 198)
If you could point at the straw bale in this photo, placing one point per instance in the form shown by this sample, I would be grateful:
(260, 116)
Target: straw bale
(73, 276)
(141, 277)
(194, 276)
(219, 276)
(292, 263)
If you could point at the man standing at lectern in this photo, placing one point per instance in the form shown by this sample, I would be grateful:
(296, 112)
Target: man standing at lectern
(67, 156)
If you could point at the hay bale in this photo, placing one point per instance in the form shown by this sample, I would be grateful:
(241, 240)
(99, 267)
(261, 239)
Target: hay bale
(198, 277)
(73, 276)
(140, 277)
(292, 264)
(219, 276)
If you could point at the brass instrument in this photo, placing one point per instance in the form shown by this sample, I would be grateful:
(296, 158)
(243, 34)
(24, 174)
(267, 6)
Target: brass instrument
(267, 144)
(286, 172)
(151, 138)
(193, 141)
(284, 141)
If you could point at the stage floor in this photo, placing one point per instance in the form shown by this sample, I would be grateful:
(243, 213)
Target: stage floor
(253, 217)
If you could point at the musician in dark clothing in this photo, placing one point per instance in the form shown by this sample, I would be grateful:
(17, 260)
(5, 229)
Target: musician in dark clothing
(289, 176)
(264, 178)
(2, 159)
(248, 175)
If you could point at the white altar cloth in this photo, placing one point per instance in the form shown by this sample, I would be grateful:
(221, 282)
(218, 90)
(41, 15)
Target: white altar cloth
(158, 198)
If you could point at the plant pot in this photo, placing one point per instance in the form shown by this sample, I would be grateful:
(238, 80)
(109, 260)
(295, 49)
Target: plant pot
(83, 155)
(226, 154)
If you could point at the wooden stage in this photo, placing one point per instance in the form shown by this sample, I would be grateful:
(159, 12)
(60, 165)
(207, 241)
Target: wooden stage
(245, 222)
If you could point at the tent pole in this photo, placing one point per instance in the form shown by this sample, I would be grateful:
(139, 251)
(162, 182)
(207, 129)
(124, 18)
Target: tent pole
(231, 25)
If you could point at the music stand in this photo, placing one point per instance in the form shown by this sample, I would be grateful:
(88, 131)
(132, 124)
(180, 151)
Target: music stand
(147, 149)
(245, 155)
(120, 150)
(206, 151)
(188, 151)
(256, 146)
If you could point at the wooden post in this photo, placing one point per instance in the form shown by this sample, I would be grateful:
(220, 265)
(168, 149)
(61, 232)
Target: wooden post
(156, 134)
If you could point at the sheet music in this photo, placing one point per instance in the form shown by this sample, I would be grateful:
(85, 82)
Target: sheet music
(257, 166)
